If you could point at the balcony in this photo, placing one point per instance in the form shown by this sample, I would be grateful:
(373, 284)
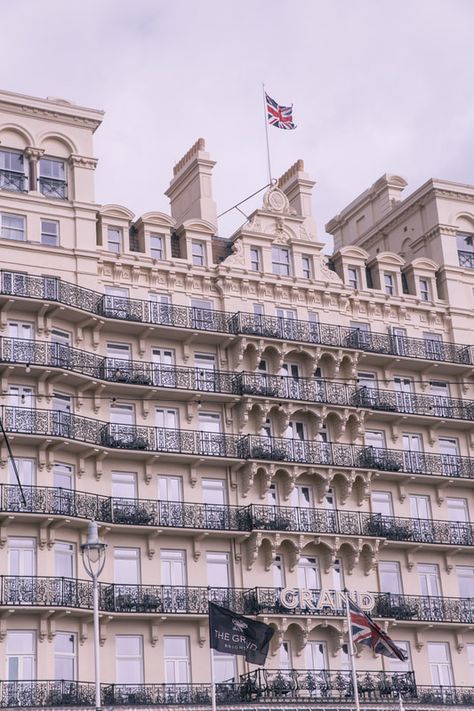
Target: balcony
(12, 180)
(52, 188)
(413, 404)
(294, 688)
(196, 319)
(466, 259)
(65, 425)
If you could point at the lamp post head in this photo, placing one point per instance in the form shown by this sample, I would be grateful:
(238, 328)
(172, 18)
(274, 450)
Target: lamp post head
(93, 551)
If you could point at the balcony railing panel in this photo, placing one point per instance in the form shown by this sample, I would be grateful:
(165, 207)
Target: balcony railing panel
(52, 188)
(18, 284)
(12, 180)
(25, 694)
(45, 591)
(466, 259)
(413, 403)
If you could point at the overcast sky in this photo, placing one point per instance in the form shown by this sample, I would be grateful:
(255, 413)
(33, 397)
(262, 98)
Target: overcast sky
(377, 86)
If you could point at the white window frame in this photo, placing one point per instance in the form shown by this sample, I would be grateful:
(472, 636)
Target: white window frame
(67, 656)
(22, 656)
(128, 657)
(157, 246)
(389, 283)
(198, 253)
(425, 289)
(255, 259)
(306, 266)
(15, 233)
(114, 239)
(353, 276)
(50, 237)
(177, 662)
(281, 261)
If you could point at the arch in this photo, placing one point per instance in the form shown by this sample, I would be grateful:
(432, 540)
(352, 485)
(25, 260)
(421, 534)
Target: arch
(49, 138)
(196, 225)
(388, 258)
(157, 218)
(464, 221)
(424, 263)
(119, 211)
(26, 139)
(353, 252)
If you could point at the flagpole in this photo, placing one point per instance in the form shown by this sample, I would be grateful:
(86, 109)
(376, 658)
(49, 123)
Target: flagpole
(350, 650)
(266, 134)
(211, 658)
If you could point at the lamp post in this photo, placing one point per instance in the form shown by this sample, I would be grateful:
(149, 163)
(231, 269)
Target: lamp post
(93, 557)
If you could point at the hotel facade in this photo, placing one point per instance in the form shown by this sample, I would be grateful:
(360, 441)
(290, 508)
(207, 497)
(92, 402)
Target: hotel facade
(245, 419)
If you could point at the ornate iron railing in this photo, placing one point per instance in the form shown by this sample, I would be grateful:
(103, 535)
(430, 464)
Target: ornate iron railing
(116, 307)
(52, 423)
(466, 259)
(12, 180)
(52, 188)
(20, 590)
(413, 403)
(305, 688)
(220, 517)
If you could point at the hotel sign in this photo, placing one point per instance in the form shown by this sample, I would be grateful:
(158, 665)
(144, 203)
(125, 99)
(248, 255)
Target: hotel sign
(317, 600)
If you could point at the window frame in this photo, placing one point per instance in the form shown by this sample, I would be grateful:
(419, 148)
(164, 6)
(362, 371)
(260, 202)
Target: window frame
(44, 233)
(281, 267)
(255, 259)
(159, 250)
(306, 266)
(112, 242)
(198, 257)
(15, 229)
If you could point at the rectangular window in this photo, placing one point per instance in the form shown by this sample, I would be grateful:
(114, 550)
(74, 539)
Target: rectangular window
(424, 290)
(466, 581)
(127, 566)
(124, 485)
(225, 668)
(353, 277)
(308, 573)
(285, 656)
(114, 239)
(26, 469)
(396, 665)
(429, 579)
(315, 656)
(198, 254)
(457, 510)
(173, 567)
(389, 283)
(420, 507)
(63, 476)
(255, 259)
(177, 662)
(52, 178)
(64, 559)
(170, 488)
(440, 664)
(12, 227)
(12, 171)
(382, 503)
(278, 572)
(213, 492)
(306, 267)
(65, 656)
(129, 659)
(21, 655)
(218, 573)
(157, 249)
(22, 556)
(470, 661)
(50, 232)
(281, 261)
(390, 578)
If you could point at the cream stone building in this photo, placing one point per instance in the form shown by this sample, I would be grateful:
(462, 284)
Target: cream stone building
(237, 414)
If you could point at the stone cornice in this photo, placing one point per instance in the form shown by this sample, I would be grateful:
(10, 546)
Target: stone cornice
(51, 110)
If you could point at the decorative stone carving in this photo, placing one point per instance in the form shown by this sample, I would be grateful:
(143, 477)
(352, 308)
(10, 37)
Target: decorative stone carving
(275, 200)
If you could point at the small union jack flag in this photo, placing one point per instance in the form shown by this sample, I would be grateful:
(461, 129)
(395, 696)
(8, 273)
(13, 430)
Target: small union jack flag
(366, 631)
(279, 116)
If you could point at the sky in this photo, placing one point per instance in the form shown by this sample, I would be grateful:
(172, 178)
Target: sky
(378, 86)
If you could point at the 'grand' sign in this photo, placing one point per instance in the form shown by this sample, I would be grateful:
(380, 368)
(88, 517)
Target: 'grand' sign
(293, 598)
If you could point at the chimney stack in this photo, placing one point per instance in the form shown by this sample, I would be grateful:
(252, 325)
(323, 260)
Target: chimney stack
(190, 190)
(298, 188)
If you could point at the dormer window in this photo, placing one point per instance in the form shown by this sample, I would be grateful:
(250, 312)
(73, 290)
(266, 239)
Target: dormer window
(353, 277)
(157, 246)
(389, 283)
(255, 259)
(306, 267)
(12, 171)
(425, 294)
(198, 254)
(52, 178)
(114, 239)
(281, 261)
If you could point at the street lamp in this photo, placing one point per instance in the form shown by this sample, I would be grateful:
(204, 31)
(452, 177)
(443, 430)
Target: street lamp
(93, 557)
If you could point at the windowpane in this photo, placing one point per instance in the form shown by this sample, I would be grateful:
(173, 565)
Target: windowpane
(114, 239)
(50, 232)
(197, 253)
(255, 259)
(156, 246)
(129, 659)
(281, 261)
(12, 227)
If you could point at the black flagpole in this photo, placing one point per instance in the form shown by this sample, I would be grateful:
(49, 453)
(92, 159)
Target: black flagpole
(12, 460)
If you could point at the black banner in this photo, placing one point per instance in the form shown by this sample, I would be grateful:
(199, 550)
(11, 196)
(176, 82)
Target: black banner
(236, 634)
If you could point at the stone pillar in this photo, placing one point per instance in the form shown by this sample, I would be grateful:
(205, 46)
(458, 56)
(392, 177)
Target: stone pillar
(33, 155)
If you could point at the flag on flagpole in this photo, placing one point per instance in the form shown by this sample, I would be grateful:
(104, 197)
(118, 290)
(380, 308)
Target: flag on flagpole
(235, 634)
(279, 116)
(366, 631)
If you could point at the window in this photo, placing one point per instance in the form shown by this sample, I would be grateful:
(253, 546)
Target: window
(301, 497)
(382, 503)
(177, 663)
(278, 572)
(424, 290)
(457, 510)
(12, 171)
(255, 259)
(21, 655)
(52, 178)
(64, 559)
(470, 660)
(22, 556)
(12, 227)
(198, 255)
(390, 578)
(170, 488)
(308, 573)
(63, 476)
(26, 469)
(420, 507)
(50, 232)
(281, 261)
(375, 438)
(429, 579)
(114, 239)
(306, 267)
(225, 668)
(157, 250)
(315, 656)
(124, 485)
(65, 656)
(259, 312)
(396, 665)
(440, 664)
(173, 567)
(285, 656)
(218, 574)
(353, 277)
(129, 659)
(389, 283)
(213, 492)
(465, 581)
(127, 566)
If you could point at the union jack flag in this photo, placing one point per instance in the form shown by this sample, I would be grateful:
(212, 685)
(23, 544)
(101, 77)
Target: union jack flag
(279, 116)
(366, 631)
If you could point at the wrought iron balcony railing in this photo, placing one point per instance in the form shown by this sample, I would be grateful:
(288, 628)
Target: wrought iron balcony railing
(218, 517)
(466, 259)
(197, 319)
(54, 423)
(52, 188)
(40, 591)
(413, 403)
(292, 687)
(12, 180)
